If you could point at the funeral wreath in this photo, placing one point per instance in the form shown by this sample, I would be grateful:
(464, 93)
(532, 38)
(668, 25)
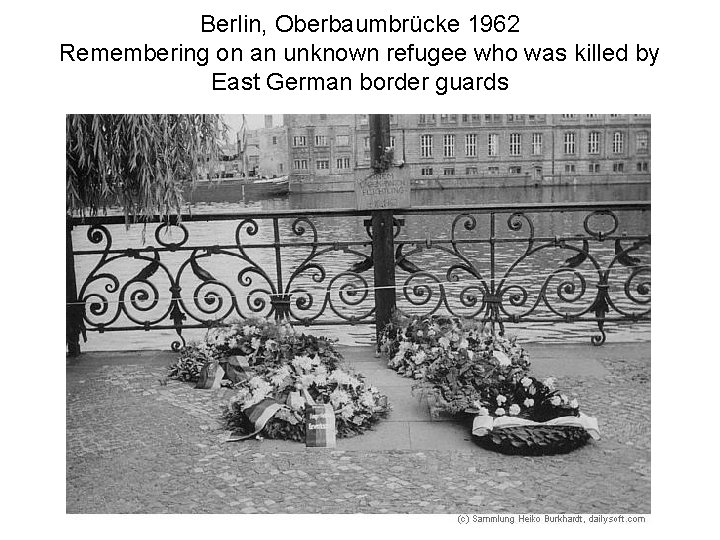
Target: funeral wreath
(277, 373)
(469, 371)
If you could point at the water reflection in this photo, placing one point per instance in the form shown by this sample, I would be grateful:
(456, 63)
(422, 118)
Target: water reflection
(531, 274)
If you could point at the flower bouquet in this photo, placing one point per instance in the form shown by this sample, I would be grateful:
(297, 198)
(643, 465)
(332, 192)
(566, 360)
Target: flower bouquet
(256, 343)
(414, 344)
(193, 357)
(357, 406)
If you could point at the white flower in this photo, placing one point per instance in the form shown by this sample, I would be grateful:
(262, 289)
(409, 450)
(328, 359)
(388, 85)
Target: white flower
(564, 399)
(280, 375)
(367, 399)
(347, 412)
(431, 333)
(271, 344)
(420, 333)
(550, 383)
(320, 379)
(463, 344)
(529, 402)
(249, 330)
(315, 360)
(514, 409)
(302, 362)
(404, 346)
(444, 342)
(526, 381)
(499, 411)
(260, 391)
(482, 411)
(420, 357)
(255, 343)
(574, 403)
(555, 401)
(502, 358)
(470, 354)
(501, 399)
(339, 397)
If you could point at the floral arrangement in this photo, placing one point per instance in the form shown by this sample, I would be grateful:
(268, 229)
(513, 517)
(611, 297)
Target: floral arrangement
(528, 398)
(452, 354)
(263, 343)
(193, 357)
(468, 370)
(357, 406)
(279, 363)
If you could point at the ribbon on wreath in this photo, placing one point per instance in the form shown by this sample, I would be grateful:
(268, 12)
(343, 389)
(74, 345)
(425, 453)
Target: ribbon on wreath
(258, 415)
(210, 376)
(482, 425)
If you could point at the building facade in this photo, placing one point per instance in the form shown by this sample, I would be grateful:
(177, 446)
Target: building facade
(473, 150)
(268, 152)
(322, 151)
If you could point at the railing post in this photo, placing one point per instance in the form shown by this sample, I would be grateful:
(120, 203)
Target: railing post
(384, 268)
(72, 325)
(382, 227)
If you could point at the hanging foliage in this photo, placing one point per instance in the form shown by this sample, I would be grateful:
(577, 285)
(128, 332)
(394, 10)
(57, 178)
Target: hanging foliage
(140, 162)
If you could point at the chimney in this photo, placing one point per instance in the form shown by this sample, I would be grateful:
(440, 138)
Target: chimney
(268, 121)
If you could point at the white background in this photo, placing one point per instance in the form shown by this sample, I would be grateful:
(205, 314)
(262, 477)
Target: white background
(679, 91)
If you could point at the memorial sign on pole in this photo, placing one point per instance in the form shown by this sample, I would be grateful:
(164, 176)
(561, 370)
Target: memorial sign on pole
(383, 191)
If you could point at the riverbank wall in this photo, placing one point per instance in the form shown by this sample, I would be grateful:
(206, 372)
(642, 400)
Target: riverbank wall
(344, 183)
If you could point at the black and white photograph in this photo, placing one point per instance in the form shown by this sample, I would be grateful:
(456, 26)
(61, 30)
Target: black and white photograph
(358, 314)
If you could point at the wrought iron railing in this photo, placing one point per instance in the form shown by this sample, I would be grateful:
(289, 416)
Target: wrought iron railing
(501, 263)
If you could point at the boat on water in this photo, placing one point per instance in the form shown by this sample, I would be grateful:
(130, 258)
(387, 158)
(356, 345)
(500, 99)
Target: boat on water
(239, 188)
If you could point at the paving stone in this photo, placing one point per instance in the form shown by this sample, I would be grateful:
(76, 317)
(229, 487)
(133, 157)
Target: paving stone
(136, 446)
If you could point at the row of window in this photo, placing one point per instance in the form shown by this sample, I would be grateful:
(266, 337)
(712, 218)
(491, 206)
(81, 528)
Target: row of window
(594, 168)
(595, 116)
(510, 118)
(321, 164)
(321, 140)
(515, 146)
(569, 143)
(487, 118)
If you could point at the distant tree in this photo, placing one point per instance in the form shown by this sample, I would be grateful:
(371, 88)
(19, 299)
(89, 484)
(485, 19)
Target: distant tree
(138, 162)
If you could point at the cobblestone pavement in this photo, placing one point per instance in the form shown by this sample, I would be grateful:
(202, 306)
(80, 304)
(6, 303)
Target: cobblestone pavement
(136, 445)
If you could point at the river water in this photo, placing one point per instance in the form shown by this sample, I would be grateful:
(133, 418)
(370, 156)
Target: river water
(529, 274)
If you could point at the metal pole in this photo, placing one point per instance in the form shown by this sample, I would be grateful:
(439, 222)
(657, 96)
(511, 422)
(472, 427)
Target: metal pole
(382, 228)
(72, 330)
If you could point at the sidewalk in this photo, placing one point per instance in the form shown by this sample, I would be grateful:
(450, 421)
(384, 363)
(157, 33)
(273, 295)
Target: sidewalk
(134, 445)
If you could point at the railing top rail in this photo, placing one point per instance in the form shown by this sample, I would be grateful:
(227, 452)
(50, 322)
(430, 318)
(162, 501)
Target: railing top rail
(339, 212)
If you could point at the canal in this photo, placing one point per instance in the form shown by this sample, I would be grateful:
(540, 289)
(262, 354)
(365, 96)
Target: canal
(421, 292)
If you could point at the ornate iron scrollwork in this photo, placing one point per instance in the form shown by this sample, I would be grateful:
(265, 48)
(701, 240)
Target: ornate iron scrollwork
(500, 289)
(494, 264)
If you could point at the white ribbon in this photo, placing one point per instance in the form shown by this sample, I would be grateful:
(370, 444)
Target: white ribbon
(482, 425)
